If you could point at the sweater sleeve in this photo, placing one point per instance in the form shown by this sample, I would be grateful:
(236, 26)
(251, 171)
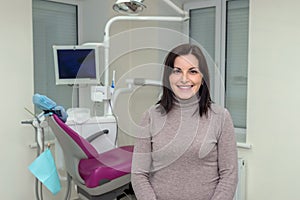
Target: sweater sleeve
(227, 161)
(141, 162)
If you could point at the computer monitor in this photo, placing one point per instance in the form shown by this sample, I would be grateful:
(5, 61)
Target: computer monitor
(76, 64)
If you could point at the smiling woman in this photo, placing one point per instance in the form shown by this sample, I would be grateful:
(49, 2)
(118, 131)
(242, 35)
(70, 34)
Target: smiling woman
(185, 142)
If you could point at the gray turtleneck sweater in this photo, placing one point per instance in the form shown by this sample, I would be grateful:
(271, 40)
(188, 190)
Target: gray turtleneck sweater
(182, 156)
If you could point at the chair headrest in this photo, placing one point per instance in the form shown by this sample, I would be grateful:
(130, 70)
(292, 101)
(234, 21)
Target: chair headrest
(49, 106)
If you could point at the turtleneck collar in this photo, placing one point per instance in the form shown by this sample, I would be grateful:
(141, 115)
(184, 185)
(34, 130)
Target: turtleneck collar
(192, 102)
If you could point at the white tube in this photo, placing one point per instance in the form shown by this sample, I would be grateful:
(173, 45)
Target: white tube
(176, 8)
(114, 75)
(142, 82)
(244, 145)
(118, 92)
(127, 18)
(153, 82)
(140, 18)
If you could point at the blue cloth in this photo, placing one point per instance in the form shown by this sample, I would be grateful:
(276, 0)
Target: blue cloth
(43, 167)
(43, 102)
(49, 106)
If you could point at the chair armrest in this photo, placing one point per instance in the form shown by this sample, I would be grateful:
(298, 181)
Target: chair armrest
(96, 135)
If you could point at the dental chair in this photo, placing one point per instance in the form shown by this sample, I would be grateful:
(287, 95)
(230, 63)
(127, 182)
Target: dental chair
(103, 176)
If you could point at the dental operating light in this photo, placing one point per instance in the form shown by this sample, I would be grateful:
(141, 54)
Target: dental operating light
(131, 7)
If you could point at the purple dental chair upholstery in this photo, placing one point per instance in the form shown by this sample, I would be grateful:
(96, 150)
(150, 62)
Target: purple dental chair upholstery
(97, 176)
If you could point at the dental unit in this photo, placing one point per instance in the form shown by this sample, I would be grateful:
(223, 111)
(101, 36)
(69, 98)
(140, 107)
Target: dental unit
(93, 161)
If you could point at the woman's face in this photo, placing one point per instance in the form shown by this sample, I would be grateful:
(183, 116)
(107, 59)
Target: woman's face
(186, 78)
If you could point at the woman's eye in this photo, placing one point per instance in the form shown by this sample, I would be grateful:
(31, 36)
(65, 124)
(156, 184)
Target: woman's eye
(194, 71)
(176, 71)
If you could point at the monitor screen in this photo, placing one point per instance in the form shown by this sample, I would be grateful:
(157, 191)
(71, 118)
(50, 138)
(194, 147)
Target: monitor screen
(76, 64)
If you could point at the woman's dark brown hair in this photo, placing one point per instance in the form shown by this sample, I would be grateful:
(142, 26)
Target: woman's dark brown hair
(168, 96)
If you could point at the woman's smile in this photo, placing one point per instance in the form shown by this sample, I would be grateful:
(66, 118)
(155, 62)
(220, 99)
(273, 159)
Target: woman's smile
(186, 78)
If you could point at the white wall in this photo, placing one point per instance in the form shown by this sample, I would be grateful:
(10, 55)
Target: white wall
(16, 69)
(273, 100)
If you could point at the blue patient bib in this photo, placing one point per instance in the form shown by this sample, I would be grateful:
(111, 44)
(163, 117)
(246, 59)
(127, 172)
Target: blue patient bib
(43, 167)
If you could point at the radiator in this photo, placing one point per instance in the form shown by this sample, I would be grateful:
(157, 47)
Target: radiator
(240, 193)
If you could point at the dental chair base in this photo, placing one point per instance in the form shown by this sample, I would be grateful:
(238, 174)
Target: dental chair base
(108, 193)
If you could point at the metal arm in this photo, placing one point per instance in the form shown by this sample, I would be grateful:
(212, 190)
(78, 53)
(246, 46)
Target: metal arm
(96, 135)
